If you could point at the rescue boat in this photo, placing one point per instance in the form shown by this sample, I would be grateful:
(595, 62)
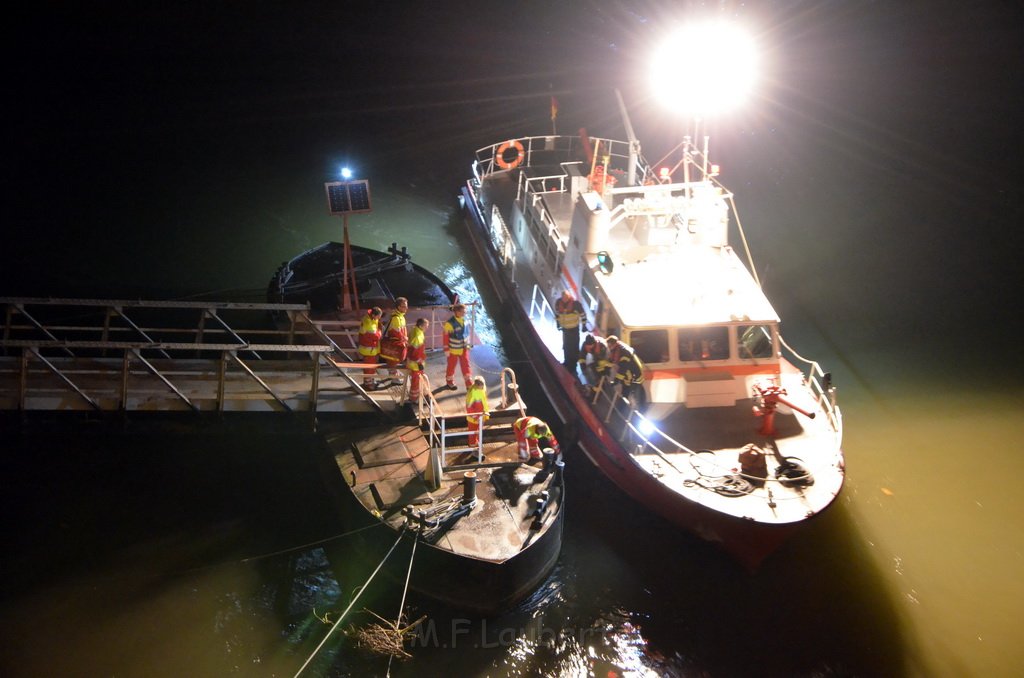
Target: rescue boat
(734, 436)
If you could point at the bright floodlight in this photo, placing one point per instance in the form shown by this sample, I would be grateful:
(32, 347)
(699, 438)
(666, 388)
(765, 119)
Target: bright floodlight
(346, 173)
(704, 68)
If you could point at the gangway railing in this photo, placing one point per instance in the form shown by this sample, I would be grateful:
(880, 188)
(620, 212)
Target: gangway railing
(439, 432)
(67, 354)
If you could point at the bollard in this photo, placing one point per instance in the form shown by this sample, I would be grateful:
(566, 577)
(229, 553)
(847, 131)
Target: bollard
(469, 487)
(549, 459)
(559, 469)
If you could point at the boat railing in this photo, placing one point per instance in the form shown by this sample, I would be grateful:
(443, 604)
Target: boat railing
(820, 383)
(552, 150)
(534, 201)
(503, 242)
(540, 309)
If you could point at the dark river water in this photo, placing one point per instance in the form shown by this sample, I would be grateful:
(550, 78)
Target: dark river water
(878, 187)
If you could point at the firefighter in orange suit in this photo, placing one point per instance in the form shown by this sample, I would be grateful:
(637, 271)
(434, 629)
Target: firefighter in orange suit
(417, 357)
(369, 344)
(477, 408)
(456, 347)
(532, 436)
(395, 341)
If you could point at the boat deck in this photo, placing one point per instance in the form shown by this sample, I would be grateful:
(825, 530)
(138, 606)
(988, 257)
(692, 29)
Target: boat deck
(386, 467)
(706, 472)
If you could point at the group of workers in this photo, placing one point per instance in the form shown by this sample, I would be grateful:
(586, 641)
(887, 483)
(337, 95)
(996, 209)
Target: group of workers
(601, 354)
(392, 342)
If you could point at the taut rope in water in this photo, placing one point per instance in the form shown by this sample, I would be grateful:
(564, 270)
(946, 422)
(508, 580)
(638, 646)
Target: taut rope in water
(401, 606)
(349, 608)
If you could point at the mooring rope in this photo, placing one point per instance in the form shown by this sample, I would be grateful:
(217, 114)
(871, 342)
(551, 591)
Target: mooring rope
(349, 608)
(282, 551)
(401, 606)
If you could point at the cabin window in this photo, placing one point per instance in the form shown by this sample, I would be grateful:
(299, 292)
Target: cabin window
(706, 343)
(650, 345)
(755, 341)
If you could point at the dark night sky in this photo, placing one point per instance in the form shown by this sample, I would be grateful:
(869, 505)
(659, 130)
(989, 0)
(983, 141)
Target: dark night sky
(885, 131)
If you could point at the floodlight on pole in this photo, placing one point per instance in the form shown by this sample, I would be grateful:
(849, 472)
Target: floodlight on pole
(702, 69)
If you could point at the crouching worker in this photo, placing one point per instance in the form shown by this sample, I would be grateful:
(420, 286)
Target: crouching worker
(629, 371)
(532, 436)
(596, 349)
(477, 408)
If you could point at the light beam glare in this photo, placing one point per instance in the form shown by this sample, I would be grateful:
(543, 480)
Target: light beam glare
(704, 68)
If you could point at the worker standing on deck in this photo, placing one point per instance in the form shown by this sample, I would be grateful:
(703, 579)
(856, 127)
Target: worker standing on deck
(369, 344)
(569, 315)
(597, 349)
(532, 436)
(629, 370)
(456, 347)
(477, 408)
(417, 357)
(395, 341)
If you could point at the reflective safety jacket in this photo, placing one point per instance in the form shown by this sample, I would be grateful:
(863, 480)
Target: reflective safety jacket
(417, 354)
(525, 429)
(369, 335)
(395, 339)
(455, 335)
(569, 314)
(476, 403)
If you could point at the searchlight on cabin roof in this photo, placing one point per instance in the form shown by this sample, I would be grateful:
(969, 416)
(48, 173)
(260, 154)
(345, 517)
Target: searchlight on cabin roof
(704, 68)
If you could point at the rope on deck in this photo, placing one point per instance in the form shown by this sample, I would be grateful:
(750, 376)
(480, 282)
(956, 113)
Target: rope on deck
(361, 589)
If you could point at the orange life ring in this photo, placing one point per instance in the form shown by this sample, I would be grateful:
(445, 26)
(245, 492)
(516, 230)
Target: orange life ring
(517, 161)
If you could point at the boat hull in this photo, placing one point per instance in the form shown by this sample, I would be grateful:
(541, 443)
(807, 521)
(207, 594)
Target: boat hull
(316, 276)
(469, 585)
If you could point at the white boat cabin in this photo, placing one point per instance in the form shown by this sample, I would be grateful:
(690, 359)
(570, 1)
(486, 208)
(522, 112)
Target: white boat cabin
(652, 265)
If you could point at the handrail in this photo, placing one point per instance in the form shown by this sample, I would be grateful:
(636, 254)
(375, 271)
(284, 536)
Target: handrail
(542, 306)
(437, 428)
(825, 394)
(438, 435)
(564, 147)
(510, 385)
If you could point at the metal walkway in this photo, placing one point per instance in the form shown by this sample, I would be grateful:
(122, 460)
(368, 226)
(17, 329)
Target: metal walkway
(115, 355)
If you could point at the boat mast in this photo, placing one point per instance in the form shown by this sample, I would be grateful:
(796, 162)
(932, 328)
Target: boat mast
(634, 143)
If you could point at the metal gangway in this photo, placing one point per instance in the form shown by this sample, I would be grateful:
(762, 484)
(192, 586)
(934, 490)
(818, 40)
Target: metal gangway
(125, 355)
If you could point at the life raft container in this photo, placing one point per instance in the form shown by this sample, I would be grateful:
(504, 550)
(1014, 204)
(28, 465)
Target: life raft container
(503, 151)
